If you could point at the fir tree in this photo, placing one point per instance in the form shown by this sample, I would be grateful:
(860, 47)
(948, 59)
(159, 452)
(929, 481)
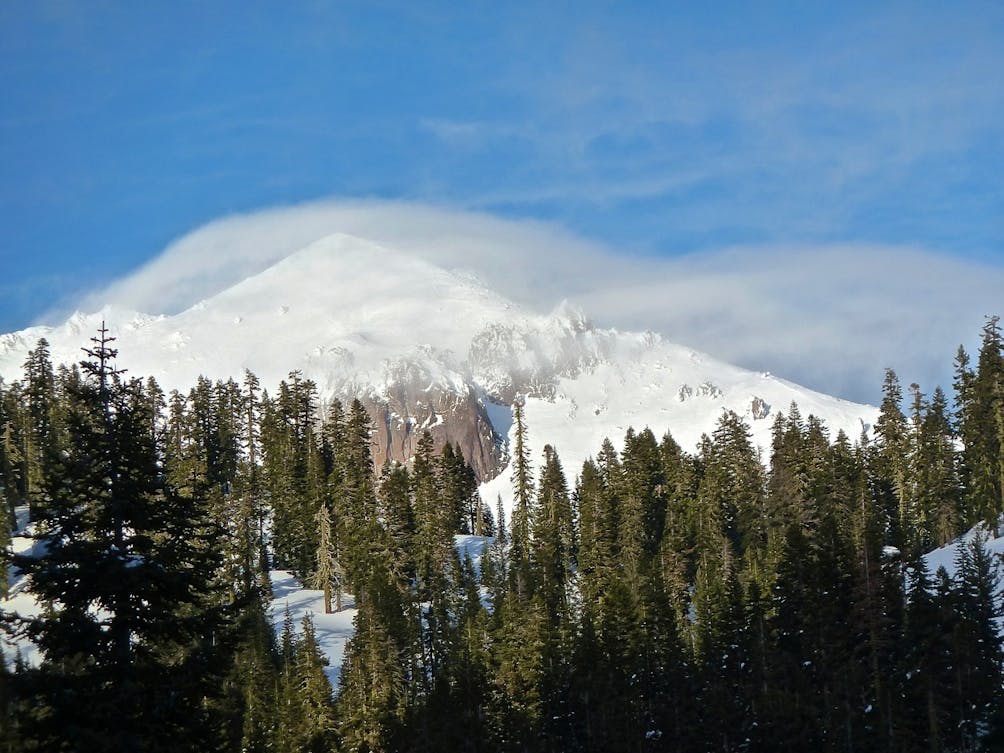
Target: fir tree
(936, 473)
(553, 545)
(979, 426)
(398, 515)
(889, 460)
(373, 692)
(926, 664)
(328, 573)
(355, 498)
(316, 728)
(40, 433)
(976, 639)
(522, 480)
(131, 634)
(254, 680)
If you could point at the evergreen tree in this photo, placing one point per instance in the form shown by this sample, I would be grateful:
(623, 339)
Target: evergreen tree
(7, 517)
(328, 573)
(460, 489)
(373, 697)
(398, 515)
(40, 432)
(936, 475)
(520, 652)
(253, 684)
(293, 472)
(15, 451)
(131, 634)
(356, 531)
(553, 545)
(889, 461)
(642, 509)
(927, 664)
(731, 493)
(979, 401)
(7, 466)
(470, 679)
(522, 480)
(977, 640)
(315, 732)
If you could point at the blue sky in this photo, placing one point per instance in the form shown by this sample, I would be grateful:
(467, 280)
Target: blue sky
(657, 129)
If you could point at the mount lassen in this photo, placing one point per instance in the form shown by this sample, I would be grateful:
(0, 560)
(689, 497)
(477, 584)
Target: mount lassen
(429, 348)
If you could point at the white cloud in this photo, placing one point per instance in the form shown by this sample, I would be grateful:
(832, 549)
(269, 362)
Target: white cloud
(831, 317)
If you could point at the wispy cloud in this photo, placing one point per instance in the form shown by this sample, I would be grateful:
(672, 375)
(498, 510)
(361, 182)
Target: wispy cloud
(831, 317)
(798, 135)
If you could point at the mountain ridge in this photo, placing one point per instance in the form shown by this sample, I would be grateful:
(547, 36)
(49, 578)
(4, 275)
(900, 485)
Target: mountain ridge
(426, 347)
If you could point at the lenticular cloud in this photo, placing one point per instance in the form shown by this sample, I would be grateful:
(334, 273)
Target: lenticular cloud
(832, 317)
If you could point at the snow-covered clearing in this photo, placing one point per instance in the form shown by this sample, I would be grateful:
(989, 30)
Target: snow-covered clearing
(333, 630)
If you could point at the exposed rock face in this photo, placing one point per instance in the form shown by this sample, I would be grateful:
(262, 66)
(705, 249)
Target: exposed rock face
(759, 408)
(402, 414)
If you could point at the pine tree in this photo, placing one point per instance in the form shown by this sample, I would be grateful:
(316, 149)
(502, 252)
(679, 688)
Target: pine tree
(936, 473)
(40, 433)
(495, 563)
(731, 495)
(926, 665)
(7, 517)
(519, 656)
(522, 480)
(977, 640)
(434, 520)
(15, 451)
(593, 557)
(464, 718)
(328, 573)
(354, 493)
(460, 489)
(399, 516)
(553, 544)
(315, 732)
(889, 461)
(979, 428)
(254, 681)
(132, 634)
(373, 695)
(7, 482)
(293, 472)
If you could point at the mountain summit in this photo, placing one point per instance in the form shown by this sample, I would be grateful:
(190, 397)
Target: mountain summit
(430, 348)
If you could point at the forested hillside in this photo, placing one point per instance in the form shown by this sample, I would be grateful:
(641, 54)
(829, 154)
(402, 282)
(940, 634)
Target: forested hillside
(653, 599)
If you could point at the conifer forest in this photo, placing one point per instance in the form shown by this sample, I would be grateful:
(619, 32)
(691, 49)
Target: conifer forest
(655, 599)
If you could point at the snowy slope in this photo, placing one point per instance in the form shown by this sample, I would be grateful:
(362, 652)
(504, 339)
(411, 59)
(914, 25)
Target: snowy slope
(340, 307)
(333, 631)
(947, 555)
(360, 319)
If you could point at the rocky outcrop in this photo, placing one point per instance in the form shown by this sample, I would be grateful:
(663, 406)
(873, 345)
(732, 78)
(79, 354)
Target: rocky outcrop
(759, 408)
(404, 412)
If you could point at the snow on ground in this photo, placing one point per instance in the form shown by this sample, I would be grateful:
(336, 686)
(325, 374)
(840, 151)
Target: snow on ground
(18, 599)
(652, 383)
(473, 547)
(946, 555)
(333, 630)
(340, 309)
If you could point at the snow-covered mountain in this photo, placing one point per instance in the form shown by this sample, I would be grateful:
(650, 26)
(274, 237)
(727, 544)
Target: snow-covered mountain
(426, 347)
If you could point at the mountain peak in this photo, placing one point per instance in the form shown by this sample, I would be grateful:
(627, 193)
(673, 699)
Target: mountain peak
(430, 347)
